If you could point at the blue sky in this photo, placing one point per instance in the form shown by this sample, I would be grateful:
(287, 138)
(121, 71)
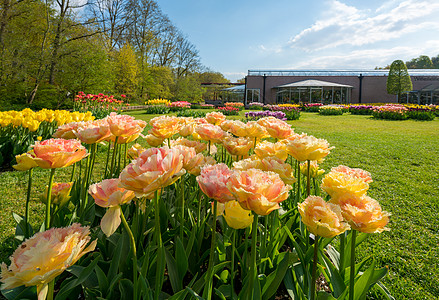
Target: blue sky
(235, 36)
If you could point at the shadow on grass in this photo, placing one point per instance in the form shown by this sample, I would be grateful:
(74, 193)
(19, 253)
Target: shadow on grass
(7, 247)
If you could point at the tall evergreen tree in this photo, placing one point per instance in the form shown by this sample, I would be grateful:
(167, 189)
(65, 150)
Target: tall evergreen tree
(399, 79)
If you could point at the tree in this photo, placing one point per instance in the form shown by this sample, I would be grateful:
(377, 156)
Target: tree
(126, 71)
(399, 79)
(421, 62)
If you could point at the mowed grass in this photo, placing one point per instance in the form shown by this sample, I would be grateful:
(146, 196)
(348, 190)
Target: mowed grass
(402, 158)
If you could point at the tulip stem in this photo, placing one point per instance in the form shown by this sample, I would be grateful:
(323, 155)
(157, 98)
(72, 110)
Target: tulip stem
(342, 254)
(133, 251)
(298, 184)
(232, 264)
(108, 158)
(113, 159)
(182, 207)
(352, 274)
(209, 283)
(49, 199)
(26, 212)
(73, 172)
(253, 267)
(314, 268)
(50, 290)
(308, 178)
(160, 263)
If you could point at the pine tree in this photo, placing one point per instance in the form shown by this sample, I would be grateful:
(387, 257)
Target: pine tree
(399, 79)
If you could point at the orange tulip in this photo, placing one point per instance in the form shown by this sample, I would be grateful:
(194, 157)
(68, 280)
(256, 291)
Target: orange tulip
(257, 190)
(212, 181)
(107, 193)
(265, 149)
(254, 130)
(322, 218)
(363, 213)
(308, 147)
(58, 153)
(67, 131)
(38, 260)
(235, 127)
(279, 167)
(215, 118)
(253, 162)
(165, 127)
(155, 168)
(278, 129)
(198, 146)
(238, 146)
(359, 173)
(93, 131)
(209, 132)
(337, 183)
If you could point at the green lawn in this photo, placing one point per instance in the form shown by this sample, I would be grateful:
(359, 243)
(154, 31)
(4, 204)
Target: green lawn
(402, 158)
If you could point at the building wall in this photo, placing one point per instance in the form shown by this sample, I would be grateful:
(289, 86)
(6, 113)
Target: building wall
(374, 88)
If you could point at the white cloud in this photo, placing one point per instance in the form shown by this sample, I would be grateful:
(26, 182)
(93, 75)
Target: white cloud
(234, 76)
(347, 25)
(366, 58)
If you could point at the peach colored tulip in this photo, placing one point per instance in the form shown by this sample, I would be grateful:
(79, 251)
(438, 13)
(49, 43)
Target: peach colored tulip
(124, 125)
(165, 127)
(25, 161)
(154, 141)
(337, 184)
(322, 218)
(359, 173)
(38, 260)
(135, 151)
(313, 169)
(266, 148)
(257, 190)
(199, 162)
(235, 127)
(308, 147)
(93, 131)
(58, 153)
(254, 130)
(60, 193)
(237, 217)
(107, 193)
(67, 131)
(155, 168)
(212, 181)
(253, 162)
(198, 146)
(278, 129)
(215, 118)
(238, 146)
(209, 132)
(363, 213)
(279, 167)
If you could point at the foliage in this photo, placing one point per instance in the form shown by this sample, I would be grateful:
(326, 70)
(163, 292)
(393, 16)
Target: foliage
(156, 109)
(293, 114)
(191, 113)
(311, 107)
(255, 106)
(126, 70)
(421, 62)
(399, 79)
(187, 88)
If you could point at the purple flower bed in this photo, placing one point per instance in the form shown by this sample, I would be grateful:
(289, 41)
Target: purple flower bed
(361, 109)
(256, 115)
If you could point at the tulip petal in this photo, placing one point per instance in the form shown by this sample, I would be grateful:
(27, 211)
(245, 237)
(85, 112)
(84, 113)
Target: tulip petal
(111, 220)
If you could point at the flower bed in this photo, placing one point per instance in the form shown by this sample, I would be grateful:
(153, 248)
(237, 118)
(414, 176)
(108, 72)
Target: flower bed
(238, 105)
(361, 109)
(229, 110)
(256, 115)
(183, 218)
(331, 110)
(311, 107)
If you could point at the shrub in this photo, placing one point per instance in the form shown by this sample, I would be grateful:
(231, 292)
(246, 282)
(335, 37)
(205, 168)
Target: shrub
(191, 113)
(422, 115)
(293, 114)
(156, 109)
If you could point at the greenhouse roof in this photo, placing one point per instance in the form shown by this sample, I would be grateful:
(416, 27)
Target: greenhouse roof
(237, 88)
(412, 72)
(312, 83)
